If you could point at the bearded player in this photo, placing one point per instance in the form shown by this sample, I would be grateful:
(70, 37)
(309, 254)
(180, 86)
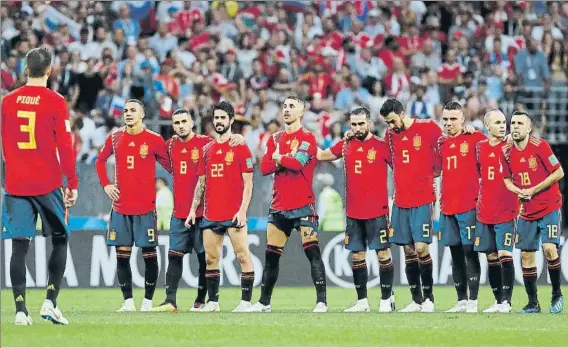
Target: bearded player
(460, 188)
(413, 145)
(225, 185)
(133, 216)
(291, 157)
(366, 159)
(36, 148)
(532, 173)
(185, 150)
(497, 210)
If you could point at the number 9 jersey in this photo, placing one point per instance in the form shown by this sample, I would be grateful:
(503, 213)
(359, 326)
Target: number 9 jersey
(35, 129)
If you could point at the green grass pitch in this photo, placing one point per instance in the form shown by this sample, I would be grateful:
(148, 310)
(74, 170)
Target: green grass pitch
(93, 322)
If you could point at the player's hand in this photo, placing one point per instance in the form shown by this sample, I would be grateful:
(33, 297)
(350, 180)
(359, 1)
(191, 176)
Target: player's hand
(276, 154)
(70, 197)
(240, 218)
(468, 129)
(348, 135)
(112, 191)
(190, 221)
(236, 139)
(527, 193)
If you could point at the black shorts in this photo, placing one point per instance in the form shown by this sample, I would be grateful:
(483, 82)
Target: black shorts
(361, 234)
(287, 220)
(219, 227)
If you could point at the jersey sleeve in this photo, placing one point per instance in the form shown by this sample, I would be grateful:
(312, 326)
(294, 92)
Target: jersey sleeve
(438, 154)
(548, 157)
(386, 153)
(504, 157)
(245, 160)
(478, 157)
(65, 144)
(161, 154)
(100, 163)
(337, 149)
(201, 162)
(306, 151)
(267, 164)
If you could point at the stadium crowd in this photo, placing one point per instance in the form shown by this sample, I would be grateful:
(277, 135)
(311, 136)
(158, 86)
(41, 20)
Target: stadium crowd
(335, 55)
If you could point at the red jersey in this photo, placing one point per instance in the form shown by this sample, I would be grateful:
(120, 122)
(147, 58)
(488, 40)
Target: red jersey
(223, 167)
(365, 176)
(528, 168)
(460, 178)
(496, 204)
(36, 142)
(293, 178)
(450, 72)
(414, 151)
(135, 169)
(184, 161)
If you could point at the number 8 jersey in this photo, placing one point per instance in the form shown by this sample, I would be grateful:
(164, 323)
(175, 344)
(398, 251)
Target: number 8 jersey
(35, 129)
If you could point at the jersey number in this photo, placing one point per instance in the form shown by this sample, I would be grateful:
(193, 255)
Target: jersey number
(358, 165)
(552, 231)
(28, 128)
(454, 160)
(217, 170)
(182, 167)
(525, 179)
(383, 236)
(426, 230)
(469, 229)
(405, 156)
(508, 239)
(129, 162)
(151, 235)
(490, 173)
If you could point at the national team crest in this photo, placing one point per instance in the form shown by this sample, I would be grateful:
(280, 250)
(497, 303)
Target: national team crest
(371, 155)
(532, 163)
(195, 154)
(229, 157)
(464, 148)
(294, 144)
(143, 150)
(112, 235)
(417, 142)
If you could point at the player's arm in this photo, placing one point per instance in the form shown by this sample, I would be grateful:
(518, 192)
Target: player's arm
(507, 174)
(100, 163)
(437, 148)
(267, 164)
(65, 146)
(197, 198)
(297, 161)
(552, 165)
(331, 154)
(162, 154)
(241, 217)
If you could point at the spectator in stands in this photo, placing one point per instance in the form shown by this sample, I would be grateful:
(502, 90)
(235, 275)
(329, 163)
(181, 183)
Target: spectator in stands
(164, 204)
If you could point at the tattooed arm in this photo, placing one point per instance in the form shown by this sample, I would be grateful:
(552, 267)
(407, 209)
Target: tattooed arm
(197, 197)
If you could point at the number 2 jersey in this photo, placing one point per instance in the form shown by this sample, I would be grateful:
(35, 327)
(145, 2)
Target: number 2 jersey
(366, 191)
(223, 166)
(529, 167)
(35, 130)
(135, 169)
(184, 161)
(414, 161)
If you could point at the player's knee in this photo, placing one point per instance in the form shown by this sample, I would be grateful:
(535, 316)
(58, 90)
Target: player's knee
(383, 255)
(309, 235)
(358, 256)
(124, 248)
(243, 257)
(492, 257)
(505, 253)
(422, 249)
(550, 251)
(211, 259)
(409, 250)
(527, 258)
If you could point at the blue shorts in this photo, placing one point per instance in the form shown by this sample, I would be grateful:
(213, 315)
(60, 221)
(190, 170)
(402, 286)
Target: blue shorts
(530, 234)
(492, 238)
(219, 227)
(19, 215)
(361, 234)
(411, 225)
(185, 239)
(129, 230)
(287, 220)
(457, 229)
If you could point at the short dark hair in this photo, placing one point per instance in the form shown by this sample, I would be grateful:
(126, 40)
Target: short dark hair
(38, 60)
(293, 97)
(453, 105)
(225, 106)
(519, 113)
(391, 105)
(137, 102)
(361, 111)
(180, 111)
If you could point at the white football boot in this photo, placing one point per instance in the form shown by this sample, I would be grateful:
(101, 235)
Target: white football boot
(460, 307)
(244, 306)
(127, 306)
(359, 306)
(146, 305)
(412, 307)
(53, 314)
(23, 319)
(320, 308)
(260, 308)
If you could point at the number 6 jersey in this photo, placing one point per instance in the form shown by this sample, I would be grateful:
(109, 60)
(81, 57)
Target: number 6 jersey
(35, 129)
